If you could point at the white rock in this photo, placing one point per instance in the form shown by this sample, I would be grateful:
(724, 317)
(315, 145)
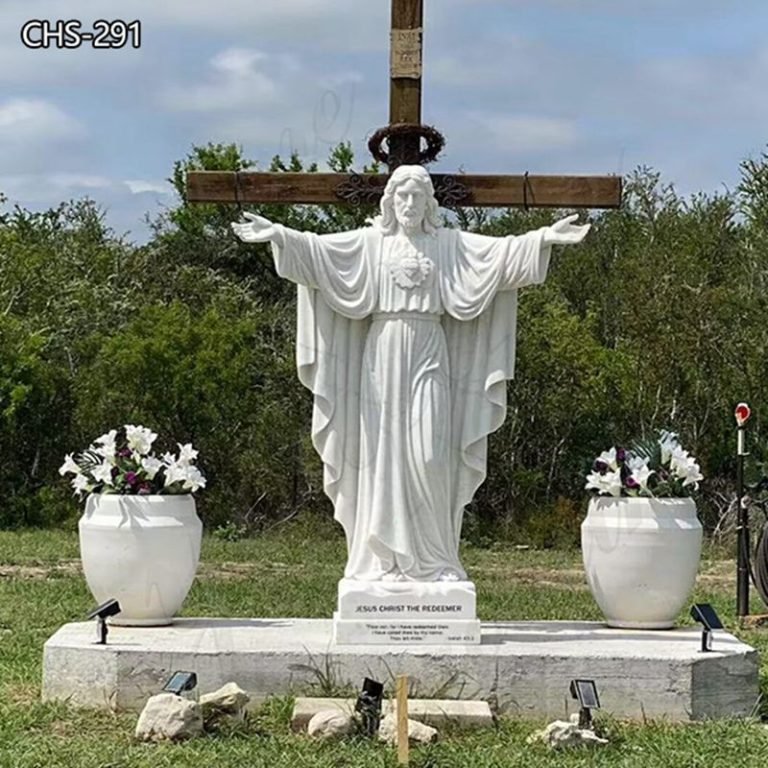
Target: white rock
(434, 712)
(562, 734)
(167, 717)
(330, 724)
(418, 733)
(228, 702)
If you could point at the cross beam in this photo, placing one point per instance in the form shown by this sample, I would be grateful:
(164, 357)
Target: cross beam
(464, 190)
(405, 107)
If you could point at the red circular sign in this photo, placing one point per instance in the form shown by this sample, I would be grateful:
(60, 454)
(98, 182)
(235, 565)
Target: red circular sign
(742, 414)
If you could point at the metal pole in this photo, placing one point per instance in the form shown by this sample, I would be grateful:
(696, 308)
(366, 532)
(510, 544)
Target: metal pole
(742, 532)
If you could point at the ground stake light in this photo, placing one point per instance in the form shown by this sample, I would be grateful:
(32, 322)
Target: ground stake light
(585, 691)
(369, 706)
(101, 613)
(705, 614)
(181, 682)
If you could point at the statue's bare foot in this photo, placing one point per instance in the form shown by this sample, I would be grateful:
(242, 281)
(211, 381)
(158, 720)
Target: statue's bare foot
(449, 575)
(393, 575)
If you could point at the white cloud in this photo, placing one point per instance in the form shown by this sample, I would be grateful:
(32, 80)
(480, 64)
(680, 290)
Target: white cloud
(524, 133)
(52, 188)
(37, 135)
(81, 181)
(238, 61)
(28, 120)
(237, 80)
(140, 186)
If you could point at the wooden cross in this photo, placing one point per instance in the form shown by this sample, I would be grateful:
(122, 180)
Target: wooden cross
(405, 108)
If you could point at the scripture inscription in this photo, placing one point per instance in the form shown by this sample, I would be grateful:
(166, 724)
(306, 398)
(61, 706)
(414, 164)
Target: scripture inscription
(409, 633)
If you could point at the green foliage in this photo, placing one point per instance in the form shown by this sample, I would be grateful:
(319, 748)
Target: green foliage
(211, 379)
(59, 274)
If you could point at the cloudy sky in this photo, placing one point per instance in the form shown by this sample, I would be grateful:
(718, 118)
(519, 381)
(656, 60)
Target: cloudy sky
(548, 86)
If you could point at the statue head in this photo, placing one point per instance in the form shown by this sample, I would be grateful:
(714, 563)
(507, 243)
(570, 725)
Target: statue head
(408, 202)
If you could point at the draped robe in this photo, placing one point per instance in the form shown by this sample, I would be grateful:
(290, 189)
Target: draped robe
(406, 351)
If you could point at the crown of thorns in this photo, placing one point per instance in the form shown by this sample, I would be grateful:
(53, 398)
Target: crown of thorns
(434, 139)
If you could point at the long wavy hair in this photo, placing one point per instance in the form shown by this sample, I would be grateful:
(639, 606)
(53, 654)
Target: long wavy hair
(387, 221)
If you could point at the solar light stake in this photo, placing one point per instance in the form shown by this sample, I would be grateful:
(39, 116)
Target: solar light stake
(742, 414)
(101, 613)
(368, 704)
(181, 682)
(586, 693)
(705, 614)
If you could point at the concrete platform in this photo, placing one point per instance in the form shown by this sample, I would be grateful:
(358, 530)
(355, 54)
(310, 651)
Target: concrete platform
(521, 668)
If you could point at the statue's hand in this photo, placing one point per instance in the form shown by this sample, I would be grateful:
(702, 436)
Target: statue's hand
(256, 230)
(565, 232)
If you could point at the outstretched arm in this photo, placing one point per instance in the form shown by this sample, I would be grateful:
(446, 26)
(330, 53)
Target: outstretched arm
(491, 264)
(565, 232)
(258, 230)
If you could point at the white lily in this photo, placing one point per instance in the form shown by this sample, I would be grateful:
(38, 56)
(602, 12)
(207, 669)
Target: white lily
(640, 471)
(174, 473)
(194, 479)
(151, 465)
(609, 458)
(105, 445)
(606, 484)
(139, 438)
(103, 473)
(69, 466)
(81, 484)
(187, 454)
(685, 467)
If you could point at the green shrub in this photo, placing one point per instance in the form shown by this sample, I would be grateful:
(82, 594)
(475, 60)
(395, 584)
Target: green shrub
(35, 412)
(213, 380)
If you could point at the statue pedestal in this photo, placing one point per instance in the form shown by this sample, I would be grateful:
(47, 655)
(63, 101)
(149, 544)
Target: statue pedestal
(412, 612)
(523, 667)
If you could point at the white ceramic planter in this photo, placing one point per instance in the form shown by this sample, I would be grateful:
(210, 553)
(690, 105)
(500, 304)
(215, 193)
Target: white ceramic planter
(641, 557)
(141, 550)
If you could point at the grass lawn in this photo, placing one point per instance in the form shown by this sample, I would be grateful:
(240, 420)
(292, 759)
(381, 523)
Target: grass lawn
(293, 572)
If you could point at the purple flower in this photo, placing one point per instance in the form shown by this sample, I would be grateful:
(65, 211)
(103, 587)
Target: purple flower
(145, 489)
(621, 455)
(600, 466)
(115, 472)
(630, 482)
(131, 478)
(124, 453)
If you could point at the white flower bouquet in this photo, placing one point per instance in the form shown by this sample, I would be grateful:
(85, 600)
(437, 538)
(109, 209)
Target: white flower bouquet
(121, 461)
(652, 468)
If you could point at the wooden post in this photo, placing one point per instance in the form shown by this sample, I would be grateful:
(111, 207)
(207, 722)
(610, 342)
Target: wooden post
(402, 719)
(405, 78)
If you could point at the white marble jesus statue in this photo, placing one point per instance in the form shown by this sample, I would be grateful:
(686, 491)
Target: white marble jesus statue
(406, 337)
